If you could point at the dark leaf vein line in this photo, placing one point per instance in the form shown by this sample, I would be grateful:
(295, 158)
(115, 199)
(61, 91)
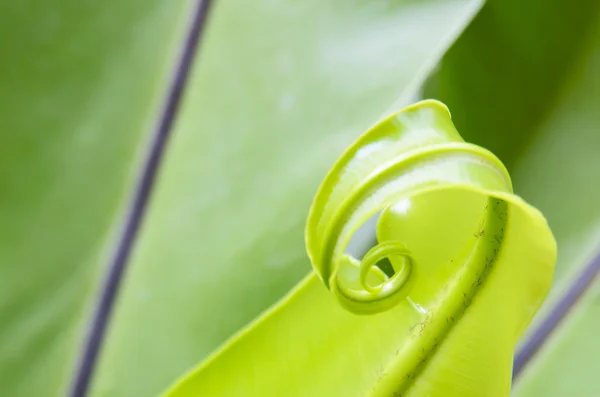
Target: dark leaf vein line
(557, 314)
(137, 206)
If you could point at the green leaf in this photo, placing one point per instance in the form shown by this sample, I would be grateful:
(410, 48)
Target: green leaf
(80, 83)
(472, 263)
(522, 81)
(281, 88)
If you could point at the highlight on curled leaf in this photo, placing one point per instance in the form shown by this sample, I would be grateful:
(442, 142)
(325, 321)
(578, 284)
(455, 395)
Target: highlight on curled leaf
(423, 232)
(414, 152)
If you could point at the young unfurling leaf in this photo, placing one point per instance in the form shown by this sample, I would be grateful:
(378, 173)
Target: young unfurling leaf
(457, 267)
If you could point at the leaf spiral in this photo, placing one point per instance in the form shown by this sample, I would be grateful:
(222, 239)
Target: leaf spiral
(446, 220)
(409, 153)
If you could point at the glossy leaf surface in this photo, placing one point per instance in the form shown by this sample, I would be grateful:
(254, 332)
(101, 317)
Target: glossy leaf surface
(79, 84)
(482, 262)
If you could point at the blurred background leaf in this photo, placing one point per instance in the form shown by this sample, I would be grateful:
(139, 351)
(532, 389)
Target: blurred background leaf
(79, 84)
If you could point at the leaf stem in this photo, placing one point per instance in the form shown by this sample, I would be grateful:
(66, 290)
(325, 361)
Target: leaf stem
(557, 314)
(139, 201)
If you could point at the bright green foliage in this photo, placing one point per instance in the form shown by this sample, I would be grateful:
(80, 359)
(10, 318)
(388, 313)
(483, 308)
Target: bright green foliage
(474, 260)
(281, 87)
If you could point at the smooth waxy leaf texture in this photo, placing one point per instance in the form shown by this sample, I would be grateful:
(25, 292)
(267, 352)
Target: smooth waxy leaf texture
(280, 90)
(472, 264)
(522, 81)
(79, 85)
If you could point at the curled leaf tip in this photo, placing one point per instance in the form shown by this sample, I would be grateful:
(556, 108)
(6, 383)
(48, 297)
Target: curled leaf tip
(437, 221)
(412, 152)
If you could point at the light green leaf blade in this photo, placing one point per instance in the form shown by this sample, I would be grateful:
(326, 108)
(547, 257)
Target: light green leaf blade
(529, 93)
(482, 262)
(79, 87)
(281, 89)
